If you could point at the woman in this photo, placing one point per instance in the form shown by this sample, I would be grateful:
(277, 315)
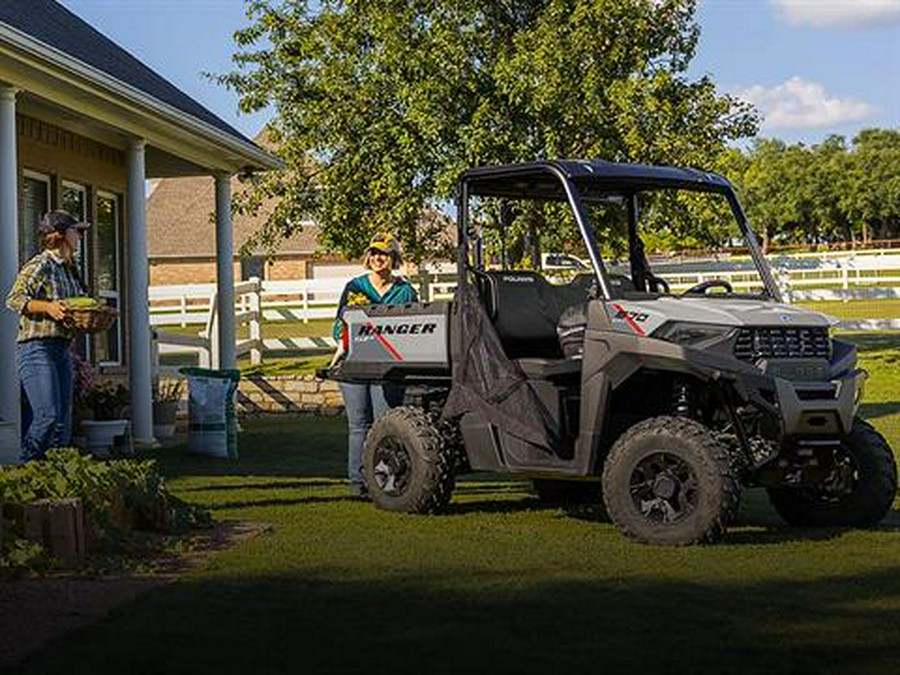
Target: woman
(364, 402)
(42, 350)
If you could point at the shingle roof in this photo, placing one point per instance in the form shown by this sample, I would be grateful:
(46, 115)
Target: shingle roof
(52, 24)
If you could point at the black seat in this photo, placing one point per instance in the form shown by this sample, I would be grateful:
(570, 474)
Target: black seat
(525, 309)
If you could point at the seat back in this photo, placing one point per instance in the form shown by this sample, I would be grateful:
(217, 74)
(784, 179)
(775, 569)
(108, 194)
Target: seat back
(525, 309)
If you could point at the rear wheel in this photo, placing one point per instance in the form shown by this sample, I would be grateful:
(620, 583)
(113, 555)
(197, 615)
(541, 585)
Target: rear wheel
(668, 481)
(407, 465)
(857, 492)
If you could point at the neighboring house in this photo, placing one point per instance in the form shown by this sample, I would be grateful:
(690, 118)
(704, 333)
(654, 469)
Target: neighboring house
(83, 126)
(181, 238)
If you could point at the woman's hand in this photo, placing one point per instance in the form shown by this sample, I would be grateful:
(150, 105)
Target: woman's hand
(55, 309)
(338, 355)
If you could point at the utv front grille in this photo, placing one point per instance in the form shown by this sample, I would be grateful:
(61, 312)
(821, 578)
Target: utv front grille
(782, 343)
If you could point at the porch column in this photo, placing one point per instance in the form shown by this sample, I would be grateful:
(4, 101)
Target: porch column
(138, 303)
(225, 271)
(9, 267)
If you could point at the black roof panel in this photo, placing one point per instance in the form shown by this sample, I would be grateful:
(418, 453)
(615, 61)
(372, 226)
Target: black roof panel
(541, 180)
(49, 22)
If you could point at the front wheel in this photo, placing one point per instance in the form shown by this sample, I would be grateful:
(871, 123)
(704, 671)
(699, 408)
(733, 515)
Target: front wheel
(667, 481)
(857, 492)
(407, 463)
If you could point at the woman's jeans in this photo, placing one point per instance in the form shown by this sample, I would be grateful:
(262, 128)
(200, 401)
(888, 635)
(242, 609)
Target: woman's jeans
(45, 371)
(363, 403)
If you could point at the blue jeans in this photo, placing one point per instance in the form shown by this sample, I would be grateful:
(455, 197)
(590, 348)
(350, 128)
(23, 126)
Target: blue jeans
(45, 372)
(363, 403)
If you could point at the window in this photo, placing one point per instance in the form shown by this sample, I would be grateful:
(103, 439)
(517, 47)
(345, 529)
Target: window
(35, 203)
(107, 347)
(73, 199)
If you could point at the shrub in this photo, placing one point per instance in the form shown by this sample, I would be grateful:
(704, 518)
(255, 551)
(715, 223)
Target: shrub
(118, 497)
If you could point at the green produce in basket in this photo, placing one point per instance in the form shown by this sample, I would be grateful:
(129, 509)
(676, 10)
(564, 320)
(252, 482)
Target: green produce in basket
(82, 302)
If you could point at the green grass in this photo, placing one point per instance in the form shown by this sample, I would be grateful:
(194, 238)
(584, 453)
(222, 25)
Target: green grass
(269, 329)
(501, 584)
(857, 309)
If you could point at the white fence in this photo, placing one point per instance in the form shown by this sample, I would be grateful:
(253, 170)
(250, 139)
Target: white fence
(845, 278)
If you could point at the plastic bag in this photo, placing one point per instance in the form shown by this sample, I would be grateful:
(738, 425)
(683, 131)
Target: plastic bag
(212, 427)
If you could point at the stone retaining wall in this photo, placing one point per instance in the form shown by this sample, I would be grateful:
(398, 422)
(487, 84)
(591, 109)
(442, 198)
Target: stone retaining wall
(297, 394)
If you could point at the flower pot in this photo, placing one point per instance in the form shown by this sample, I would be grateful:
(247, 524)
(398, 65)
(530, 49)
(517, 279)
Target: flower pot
(100, 435)
(164, 414)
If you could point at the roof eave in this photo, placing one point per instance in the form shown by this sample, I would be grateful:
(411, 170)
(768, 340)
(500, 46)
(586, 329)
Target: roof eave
(245, 156)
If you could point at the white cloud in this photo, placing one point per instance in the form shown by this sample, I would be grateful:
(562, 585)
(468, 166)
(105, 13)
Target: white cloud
(839, 13)
(798, 104)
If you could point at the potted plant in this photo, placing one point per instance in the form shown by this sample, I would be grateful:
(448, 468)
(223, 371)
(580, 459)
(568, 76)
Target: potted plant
(166, 398)
(107, 405)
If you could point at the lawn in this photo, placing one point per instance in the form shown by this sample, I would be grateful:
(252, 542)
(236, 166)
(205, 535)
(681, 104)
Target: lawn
(857, 309)
(501, 584)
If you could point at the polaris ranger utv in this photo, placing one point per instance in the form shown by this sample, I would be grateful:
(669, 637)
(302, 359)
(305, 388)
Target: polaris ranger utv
(669, 402)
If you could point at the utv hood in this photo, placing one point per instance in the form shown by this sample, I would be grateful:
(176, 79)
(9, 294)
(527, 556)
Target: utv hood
(645, 316)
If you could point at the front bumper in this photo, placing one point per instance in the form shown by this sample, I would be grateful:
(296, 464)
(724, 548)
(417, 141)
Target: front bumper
(810, 409)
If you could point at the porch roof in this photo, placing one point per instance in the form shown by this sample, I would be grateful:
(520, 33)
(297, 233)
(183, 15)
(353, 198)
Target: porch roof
(68, 69)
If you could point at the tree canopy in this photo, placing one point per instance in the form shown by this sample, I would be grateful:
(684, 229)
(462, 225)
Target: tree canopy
(381, 104)
(823, 193)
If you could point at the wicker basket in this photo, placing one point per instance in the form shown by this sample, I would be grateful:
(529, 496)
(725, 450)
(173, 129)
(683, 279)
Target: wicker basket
(92, 319)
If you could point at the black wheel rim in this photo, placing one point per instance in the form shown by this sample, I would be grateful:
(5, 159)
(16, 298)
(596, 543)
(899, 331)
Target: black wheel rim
(664, 488)
(391, 466)
(841, 481)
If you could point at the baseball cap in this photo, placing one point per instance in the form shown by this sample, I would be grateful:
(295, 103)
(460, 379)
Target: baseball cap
(385, 243)
(60, 221)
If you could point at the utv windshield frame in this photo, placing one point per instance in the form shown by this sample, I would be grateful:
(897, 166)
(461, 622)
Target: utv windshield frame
(578, 182)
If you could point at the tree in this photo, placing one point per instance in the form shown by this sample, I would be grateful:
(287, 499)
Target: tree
(380, 104)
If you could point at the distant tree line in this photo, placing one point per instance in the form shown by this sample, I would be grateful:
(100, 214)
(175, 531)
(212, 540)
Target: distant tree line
(820, 194)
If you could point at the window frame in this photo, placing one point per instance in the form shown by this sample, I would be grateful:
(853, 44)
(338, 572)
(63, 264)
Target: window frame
(117, 294)
(47, 180)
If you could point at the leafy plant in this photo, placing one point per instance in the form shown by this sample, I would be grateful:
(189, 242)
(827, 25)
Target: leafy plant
(108, 401)
(118, 497)
(168, 390)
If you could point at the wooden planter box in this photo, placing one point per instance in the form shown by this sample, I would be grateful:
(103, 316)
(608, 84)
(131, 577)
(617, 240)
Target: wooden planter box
(55, 524)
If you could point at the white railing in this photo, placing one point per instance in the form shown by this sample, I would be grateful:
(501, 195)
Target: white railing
(839, 278)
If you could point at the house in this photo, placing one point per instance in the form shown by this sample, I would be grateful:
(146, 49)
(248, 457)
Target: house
(181, 241)
(83, 126)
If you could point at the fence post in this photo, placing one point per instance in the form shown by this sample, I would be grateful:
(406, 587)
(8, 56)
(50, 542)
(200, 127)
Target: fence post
(305, 296)
(183, 305)
(212, 332)
(784, 282)
(154, 355)
(424, 285)
(255, 328)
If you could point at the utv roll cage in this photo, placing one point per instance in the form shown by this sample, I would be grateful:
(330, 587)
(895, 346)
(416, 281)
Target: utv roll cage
(578, 182)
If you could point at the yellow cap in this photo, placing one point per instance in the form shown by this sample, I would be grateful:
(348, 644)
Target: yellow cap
(385, 243)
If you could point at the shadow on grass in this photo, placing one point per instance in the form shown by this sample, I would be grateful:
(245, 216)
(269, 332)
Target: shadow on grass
(873, 341)
(319, 622)
(871, 411)
(273, 485)
(299, 501)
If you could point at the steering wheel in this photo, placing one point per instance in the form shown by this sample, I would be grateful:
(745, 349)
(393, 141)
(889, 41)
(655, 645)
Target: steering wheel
(704, 286)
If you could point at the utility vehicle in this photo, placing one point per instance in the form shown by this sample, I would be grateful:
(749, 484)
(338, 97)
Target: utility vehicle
(666, 403)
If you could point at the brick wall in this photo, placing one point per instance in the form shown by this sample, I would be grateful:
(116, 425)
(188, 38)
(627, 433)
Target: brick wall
(297, 394)
(286, 394)
(176, 273)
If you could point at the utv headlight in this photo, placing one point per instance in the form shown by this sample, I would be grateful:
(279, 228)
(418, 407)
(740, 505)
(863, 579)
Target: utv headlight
(688, 333)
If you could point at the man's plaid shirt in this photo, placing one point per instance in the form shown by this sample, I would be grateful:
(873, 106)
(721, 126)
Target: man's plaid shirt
(44, 277)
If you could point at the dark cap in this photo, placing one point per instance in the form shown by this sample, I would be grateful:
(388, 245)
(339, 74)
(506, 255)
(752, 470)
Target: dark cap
(60, 221)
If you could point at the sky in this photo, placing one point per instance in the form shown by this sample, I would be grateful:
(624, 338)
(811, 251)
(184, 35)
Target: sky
(811, 67)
